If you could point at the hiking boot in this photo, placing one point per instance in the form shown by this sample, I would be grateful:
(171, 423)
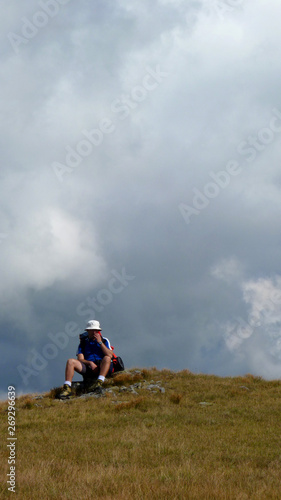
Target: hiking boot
(96, 387)
(90, 386)
(99, 389)
(66, 392)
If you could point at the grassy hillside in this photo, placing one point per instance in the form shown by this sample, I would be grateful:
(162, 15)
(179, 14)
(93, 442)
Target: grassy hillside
(157, 434)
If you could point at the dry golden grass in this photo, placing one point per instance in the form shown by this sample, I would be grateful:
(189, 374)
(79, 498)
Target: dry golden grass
(176, 398)
(151, 445)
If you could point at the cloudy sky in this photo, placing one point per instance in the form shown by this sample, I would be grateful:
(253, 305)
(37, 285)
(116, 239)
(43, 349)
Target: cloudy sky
(140, 185)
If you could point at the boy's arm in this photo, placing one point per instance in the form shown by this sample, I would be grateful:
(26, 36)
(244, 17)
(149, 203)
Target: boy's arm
(80, 357)
(105, 350)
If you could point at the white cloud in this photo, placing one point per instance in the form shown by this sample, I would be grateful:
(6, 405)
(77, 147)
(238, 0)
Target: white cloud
(229, 270)
(259, 333)
(48, 247)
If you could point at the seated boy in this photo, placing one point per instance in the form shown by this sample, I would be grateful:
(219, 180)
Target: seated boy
(94, 357)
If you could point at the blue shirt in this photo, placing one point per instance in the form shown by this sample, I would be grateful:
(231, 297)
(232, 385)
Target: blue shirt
(91, 350)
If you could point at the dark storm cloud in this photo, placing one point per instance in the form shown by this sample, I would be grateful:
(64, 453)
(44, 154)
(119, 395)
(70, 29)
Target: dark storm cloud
(144, 108)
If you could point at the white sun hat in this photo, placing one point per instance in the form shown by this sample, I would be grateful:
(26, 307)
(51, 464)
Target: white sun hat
(93, 325)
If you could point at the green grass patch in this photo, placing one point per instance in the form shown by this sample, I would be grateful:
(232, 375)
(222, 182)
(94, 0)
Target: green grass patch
(205, 437)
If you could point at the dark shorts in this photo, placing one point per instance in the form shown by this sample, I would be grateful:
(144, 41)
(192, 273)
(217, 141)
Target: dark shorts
(90, 374)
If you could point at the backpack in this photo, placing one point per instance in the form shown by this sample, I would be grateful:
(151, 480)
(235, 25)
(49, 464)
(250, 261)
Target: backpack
(118, 364)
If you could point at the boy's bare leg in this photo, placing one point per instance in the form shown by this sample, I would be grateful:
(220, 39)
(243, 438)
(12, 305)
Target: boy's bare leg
(72, 365)
(105, 365)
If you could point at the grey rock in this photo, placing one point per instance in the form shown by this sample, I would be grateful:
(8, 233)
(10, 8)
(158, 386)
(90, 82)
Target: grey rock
(132, 390)
(152, 387)
(123, 389)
